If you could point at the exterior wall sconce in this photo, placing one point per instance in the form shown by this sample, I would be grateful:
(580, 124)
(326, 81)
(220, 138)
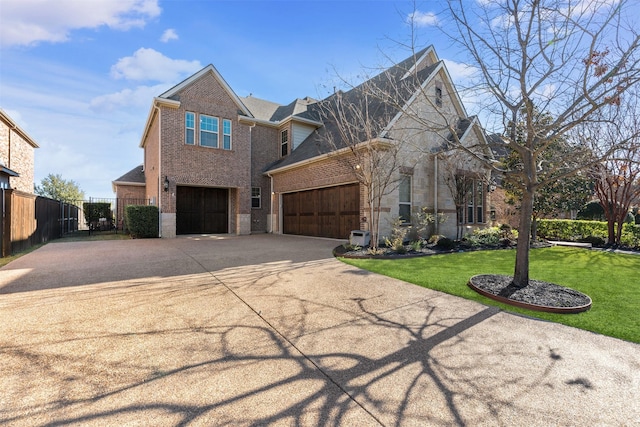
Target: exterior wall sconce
(166, 183)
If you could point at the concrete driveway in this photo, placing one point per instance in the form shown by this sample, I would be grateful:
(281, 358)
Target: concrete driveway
(271, 330)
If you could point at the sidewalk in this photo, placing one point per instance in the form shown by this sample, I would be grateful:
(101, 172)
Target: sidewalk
(271, 330)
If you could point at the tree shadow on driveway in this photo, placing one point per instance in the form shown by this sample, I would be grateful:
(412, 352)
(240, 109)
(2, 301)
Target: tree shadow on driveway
(282, 343)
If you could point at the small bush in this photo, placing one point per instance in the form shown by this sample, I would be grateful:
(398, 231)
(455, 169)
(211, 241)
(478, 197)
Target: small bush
(398, 234)
(98, 215)
(435, 238)
(142, 221)
(446, 243)
(594, 240)
(350, 247)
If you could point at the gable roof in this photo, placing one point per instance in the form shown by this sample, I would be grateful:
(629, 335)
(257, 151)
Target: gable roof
(134, 177)
(402, 80)
(208, 70)
(14, 127)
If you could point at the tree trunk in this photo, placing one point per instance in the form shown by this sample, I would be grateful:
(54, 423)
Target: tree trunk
(611, 233)
(521, 273)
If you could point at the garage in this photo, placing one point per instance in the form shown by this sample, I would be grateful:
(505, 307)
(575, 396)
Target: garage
(201, 210)
(323, 212)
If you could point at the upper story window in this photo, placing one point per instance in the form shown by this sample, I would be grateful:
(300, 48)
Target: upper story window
(284, 142)
(405, 198)
(208, 131)
(438, 96)
(226, 134)
(190, 128)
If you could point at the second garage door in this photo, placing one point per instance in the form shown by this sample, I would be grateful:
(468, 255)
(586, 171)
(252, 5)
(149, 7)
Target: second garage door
(324, 212)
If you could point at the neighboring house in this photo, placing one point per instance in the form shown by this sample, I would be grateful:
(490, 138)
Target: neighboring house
(218, 163)
(130, 189)
(16, 156)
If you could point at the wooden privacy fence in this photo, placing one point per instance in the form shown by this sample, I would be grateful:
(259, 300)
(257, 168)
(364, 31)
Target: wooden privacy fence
(29, 220)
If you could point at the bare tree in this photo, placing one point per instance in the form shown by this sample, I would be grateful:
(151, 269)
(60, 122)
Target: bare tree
(617, 178)
(354, 122)
(568, 59)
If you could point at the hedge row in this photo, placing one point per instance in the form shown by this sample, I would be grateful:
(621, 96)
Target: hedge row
(142, 221)
(575, 230)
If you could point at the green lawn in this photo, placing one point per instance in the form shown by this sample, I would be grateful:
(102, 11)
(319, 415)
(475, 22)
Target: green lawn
(611, 280)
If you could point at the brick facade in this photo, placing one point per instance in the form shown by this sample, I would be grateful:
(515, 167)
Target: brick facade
(17, 153)
(255, 159)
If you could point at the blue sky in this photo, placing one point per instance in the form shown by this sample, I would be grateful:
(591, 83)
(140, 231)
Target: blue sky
(79, 76)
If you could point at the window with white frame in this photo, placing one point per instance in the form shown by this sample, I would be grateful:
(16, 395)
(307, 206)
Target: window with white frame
(190, 128)
(256, 197)
(404, 190)
(226, 134)
(208, 131)
(284, 142)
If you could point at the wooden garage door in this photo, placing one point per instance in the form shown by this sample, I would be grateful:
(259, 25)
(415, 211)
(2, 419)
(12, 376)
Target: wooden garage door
(202, 210)
(325, 212)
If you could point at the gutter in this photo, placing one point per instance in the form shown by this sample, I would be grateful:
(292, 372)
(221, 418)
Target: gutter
(379, 142)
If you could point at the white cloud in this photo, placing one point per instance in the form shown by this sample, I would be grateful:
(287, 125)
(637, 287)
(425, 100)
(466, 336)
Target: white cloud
(151, 65)
(140, 96)
(423, 19)
(27, 22)
(459, 71)
(169, 35)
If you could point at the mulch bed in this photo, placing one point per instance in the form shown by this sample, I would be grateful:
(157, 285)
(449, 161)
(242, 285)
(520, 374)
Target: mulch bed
(538, 295)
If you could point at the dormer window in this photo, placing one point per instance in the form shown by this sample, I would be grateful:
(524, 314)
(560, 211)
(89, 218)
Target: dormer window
(438, 96)
(284, 143)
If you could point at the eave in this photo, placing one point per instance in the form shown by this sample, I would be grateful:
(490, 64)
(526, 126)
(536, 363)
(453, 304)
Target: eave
(376, 143)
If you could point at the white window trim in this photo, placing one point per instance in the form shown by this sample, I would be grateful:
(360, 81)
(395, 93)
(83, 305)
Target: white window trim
(187, 128)
(227, 134)
(217, 134)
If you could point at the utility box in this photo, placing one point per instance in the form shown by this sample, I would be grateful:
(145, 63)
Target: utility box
(360, 238)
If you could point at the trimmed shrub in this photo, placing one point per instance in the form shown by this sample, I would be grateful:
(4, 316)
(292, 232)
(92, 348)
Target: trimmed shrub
(587, 231)
(570, 230)
(97, 215)
(142, 221)
(630, 236)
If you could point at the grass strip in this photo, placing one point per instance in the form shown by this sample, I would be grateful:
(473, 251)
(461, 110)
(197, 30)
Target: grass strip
(612, 281)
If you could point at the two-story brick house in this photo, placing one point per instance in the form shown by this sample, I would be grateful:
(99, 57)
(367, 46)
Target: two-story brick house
(215, 162)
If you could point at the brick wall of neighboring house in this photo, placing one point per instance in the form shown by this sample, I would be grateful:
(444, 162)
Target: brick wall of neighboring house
(130, 192)
(151, 161)
(17, 154)
(195, 165)
(264, 150)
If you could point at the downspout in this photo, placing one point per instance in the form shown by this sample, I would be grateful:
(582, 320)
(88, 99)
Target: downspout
(435, 194)
(155, 105)
(251, 126)
(271, 201)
